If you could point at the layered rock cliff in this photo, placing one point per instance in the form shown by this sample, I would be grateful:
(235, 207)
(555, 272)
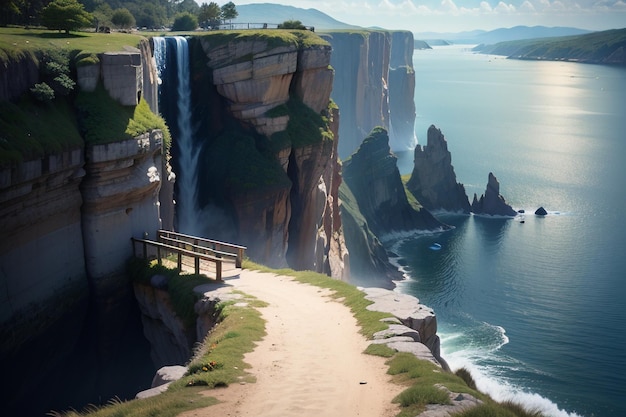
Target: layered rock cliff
(433, 181)
(374, 86)
(268, 142)
(66, 218)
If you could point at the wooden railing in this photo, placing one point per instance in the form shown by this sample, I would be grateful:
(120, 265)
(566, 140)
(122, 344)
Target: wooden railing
(217, 247)
(200, 249)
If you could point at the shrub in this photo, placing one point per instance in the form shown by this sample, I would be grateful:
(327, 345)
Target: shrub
(42, 92)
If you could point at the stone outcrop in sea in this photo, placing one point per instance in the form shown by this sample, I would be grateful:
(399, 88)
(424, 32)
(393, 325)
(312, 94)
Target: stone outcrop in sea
(492, 203)
(433, 181)
(377, 196)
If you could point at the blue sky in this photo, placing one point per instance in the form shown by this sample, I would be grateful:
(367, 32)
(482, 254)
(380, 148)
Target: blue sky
(458, 15)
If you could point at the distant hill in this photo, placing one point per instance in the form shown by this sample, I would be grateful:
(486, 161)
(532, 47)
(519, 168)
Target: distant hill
(277, 13)
(498, 35)
(606, 47)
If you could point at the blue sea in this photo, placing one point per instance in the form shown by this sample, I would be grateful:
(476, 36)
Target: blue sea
(535, 310)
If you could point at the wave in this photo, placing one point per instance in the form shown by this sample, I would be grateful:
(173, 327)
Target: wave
(489, 370)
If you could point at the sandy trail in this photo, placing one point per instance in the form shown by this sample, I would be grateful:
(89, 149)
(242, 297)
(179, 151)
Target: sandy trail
(311, 361)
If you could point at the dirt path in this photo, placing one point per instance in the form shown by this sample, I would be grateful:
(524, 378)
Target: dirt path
(311, 361)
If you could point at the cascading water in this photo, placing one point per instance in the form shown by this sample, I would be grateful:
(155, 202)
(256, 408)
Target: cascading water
(172, 60)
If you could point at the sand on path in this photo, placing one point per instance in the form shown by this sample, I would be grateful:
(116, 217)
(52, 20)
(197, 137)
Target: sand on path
(310, 363)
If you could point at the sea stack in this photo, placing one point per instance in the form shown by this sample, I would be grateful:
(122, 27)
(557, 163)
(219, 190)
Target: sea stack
(492, 203)
(433, 181)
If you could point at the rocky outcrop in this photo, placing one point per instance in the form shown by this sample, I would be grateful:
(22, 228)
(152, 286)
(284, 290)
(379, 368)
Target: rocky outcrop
(492, 203)
(372, 175)
(433, 181)
(255, 77)
(541, 212)
(171, 341)
(413, 316)
(374, 205)
(373, 77)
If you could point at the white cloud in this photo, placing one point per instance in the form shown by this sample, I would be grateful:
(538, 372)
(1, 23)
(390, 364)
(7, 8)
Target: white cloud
(527, 7)
(449, 6)
(485, 7)
(502, 7)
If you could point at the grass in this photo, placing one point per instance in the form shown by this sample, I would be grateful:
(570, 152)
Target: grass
(15, 42)
(104, 120)
(29, 129)
(275, 38)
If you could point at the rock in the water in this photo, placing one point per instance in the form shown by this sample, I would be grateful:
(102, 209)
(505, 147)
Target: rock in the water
(541, 211)
(492, 203)
(433, 181)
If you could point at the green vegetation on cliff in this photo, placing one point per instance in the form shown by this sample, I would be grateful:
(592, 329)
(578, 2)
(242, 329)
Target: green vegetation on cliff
(606, 47)
(274, 37)
(104, 120)
(52, 120)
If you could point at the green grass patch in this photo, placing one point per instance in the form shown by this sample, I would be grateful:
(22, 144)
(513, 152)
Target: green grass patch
(380, 349)
(168, 404)
(275, 38)
(15, 42)
(103, 120)
(30, 129)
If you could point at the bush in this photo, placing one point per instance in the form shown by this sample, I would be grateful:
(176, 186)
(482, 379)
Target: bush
(292, 24)
(42, 92)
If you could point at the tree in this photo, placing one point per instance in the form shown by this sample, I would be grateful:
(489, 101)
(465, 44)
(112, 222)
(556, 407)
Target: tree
(65, 15)
(209, 14)
(185, 21)
(149, 15)
(189, 6)
(123, 19)
(229, 11)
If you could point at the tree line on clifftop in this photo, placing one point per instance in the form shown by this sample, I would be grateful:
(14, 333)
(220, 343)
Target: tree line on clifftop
(69, 15)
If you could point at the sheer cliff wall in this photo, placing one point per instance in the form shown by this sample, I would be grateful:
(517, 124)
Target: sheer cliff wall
(374, 86)
(66, 220)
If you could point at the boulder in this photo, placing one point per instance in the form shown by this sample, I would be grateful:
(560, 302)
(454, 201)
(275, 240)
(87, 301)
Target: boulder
(541, 211)
(492, 203)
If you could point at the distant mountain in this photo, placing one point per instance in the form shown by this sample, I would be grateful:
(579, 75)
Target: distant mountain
(606, 47)
(499, 35)
(277, 13)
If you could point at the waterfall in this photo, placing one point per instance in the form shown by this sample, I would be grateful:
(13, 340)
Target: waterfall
(172, 61)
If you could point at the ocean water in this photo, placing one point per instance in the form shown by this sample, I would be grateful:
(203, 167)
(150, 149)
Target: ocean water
(535, 310)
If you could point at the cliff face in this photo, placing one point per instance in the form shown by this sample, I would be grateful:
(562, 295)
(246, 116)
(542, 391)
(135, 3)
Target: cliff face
(267, 109)
(433, 181)
(65, 223)
(374, 86)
